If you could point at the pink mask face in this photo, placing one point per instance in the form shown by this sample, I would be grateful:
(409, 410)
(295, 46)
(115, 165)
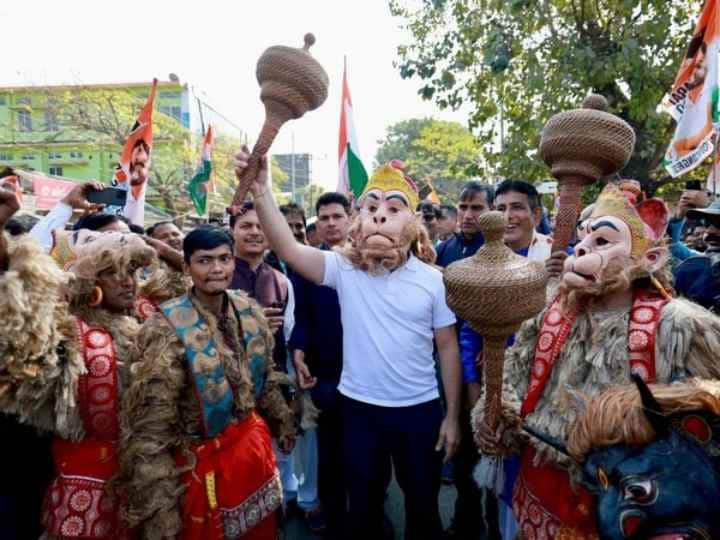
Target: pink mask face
(384, 216)
(602, 240)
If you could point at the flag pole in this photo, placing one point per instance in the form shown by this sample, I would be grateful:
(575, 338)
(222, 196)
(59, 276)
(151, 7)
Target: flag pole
(714, 167)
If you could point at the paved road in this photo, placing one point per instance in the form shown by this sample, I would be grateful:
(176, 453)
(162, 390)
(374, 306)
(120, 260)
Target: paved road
(296, 529)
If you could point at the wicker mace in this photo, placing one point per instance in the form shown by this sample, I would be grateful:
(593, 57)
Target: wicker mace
(292, 83)
(582, 146)
(495, 291)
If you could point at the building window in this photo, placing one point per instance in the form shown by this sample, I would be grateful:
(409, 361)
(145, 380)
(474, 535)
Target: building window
(23, 100)
(51, 121)
(5, 157)
(3, 100)
(28, 157)
(76, 154)
(173, 112)
(56, 171)
(170, 95)
(54, 155)
(24, 121)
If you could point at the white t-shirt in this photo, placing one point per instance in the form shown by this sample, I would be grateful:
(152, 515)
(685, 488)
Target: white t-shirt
(388, 323)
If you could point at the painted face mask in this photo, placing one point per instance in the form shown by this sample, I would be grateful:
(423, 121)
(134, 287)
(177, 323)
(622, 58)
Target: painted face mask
(664, 485)
(617, 235)
(386, 228)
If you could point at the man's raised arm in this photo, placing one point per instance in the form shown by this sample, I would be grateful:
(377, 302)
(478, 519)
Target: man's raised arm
(305, 260)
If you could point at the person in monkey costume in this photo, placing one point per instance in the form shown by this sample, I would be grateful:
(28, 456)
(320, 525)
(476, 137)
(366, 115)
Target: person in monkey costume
(613, 316)
(68, 341)
(392, 306)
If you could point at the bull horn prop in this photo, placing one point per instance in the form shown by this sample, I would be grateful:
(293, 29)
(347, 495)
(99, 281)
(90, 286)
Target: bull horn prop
(652, 409)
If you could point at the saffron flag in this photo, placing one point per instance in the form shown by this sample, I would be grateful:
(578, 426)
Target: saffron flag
(433, 196)
(352, 176)
(693, 101)
(132, 169)
(199, 185)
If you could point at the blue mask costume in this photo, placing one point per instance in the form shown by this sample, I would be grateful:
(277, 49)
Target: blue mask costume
(668, 489)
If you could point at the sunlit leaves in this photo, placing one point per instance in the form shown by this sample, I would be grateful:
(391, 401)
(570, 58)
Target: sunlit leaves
(542, 56)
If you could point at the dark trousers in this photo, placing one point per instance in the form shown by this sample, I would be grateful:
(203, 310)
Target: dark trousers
(472, 505)
(404, 437)
(332, 488)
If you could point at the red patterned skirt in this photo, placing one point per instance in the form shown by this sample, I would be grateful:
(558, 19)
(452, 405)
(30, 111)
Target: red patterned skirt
(77, 504)
(234, 489)
(547, 507)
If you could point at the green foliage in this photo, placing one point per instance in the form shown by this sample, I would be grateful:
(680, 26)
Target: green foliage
(105, 117)
(539, 57)
(445, 152)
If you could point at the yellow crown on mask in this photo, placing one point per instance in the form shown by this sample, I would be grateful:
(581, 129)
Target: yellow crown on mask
(390, 178)
(612, 202)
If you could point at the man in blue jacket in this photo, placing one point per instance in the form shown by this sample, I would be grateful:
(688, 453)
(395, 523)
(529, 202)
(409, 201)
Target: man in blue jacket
(475, 200)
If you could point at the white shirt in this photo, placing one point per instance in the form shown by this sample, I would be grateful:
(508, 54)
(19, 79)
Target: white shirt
(57, 218)
(289, 321)
(388, 323)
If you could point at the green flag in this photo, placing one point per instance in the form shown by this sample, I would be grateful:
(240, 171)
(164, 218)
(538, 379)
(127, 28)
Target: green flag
(199, 184)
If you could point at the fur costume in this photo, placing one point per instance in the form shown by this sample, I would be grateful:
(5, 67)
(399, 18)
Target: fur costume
(39, 360)
(651, 456)
(44, 361)
(595, 358)
(161, 416)
(577, 348)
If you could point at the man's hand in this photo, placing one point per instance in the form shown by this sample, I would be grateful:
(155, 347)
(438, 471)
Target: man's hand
(449, 437)
(504, 440)
(77, 197)
(304, 378)
(173, 257)
(275, 318)
(554, 265)
(689, 200)
(260, 183)
(9, 201)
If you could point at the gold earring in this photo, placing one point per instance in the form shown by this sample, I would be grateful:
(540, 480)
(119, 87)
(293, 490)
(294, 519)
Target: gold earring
(97, 297)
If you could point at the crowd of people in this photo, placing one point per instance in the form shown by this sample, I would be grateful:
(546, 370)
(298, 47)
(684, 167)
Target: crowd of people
(211, 383)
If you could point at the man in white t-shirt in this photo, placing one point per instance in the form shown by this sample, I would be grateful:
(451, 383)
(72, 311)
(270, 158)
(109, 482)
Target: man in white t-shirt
(392, 306)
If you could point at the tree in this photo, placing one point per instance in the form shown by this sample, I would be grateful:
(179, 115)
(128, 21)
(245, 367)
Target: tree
(518, 62)
(105, 116)
(445, 152)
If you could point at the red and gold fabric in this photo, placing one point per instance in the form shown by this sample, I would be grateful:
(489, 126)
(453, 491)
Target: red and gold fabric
(145, 308)
(234, 490)
(545, 503)
(78, 504)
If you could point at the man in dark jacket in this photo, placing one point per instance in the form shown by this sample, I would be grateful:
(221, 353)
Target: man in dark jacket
(698, 277)
(317, 354)
(475, 199)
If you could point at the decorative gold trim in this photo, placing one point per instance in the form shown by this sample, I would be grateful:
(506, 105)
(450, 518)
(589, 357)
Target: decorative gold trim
(210, 489)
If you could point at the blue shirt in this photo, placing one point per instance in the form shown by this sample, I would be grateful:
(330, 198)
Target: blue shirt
(456, 248)
(471, 343)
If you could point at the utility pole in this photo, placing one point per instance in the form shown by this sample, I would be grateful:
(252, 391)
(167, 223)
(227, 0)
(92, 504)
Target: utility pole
(292, 166)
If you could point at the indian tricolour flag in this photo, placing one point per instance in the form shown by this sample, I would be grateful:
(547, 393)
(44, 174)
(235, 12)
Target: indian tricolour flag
(352, 176)
(199, 185)
(693, 100)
